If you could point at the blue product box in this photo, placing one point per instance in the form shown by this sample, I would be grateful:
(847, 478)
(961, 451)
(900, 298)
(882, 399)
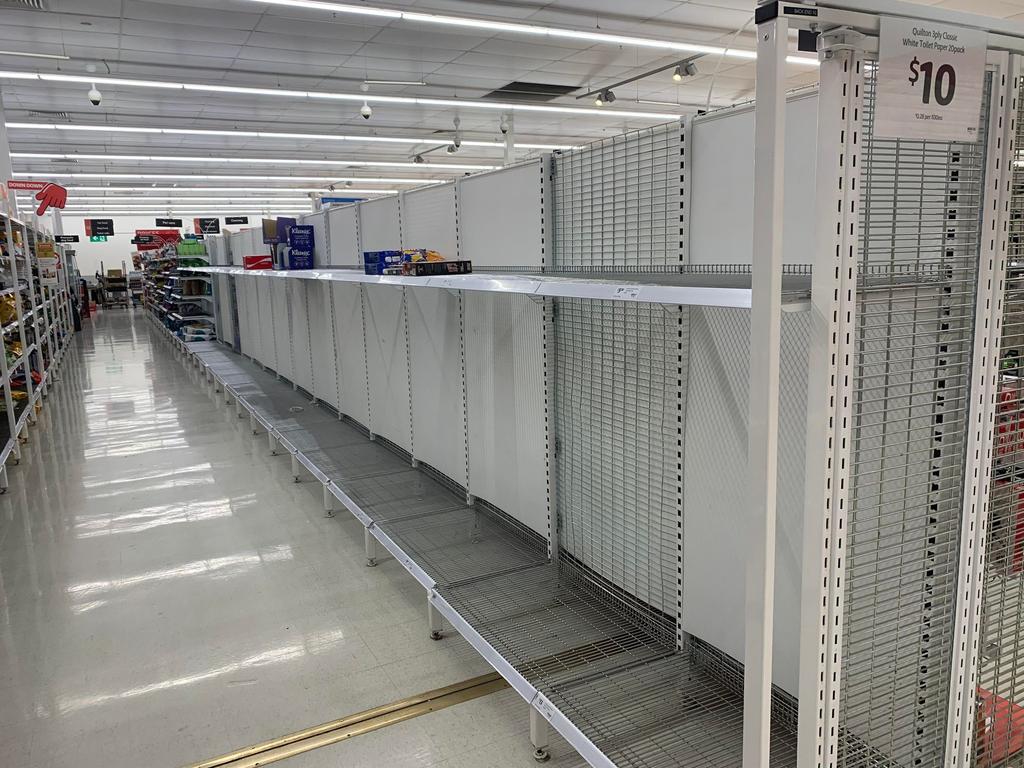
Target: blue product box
(374, 262)
(300, 247)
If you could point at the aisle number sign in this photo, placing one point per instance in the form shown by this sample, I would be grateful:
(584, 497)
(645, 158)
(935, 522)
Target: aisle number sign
(929, 81)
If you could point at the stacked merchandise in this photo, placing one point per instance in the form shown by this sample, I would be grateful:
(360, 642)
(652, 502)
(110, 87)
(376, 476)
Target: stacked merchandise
(182, 301)
(420, 262)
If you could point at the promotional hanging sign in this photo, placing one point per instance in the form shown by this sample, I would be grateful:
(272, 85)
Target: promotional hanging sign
(48, 264)
(48, 194)
(929, 81)
(151, 239)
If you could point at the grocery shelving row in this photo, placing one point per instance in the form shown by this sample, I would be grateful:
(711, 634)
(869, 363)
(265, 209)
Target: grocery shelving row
(692, 523)
(175, 293)
(36, 313)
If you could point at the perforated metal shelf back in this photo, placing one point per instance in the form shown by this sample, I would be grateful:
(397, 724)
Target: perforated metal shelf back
(1001, 662)
(919, 246)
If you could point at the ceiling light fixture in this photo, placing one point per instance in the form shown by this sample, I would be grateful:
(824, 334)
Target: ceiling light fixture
(677, 75)
(255, 160)
(410, 100)
(36, 55)
(534, 30)
(273, 135)
(177, 189)
(394, 82)
(222, 177)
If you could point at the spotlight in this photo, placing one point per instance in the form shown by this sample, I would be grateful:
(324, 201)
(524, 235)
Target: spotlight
(609, 97)
(678, 74)
(691, 68)
(418, 159)
(451, 149)
(599, 100)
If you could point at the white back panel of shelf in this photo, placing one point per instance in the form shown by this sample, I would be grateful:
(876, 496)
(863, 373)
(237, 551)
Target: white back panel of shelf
(281, 333)
(351, 351)
(387, 364)
(321, 341)
(378, 224)
(435, 355)
(428, 220)
(267, 344)
(344, 244)
(302, 364)
(721, 215)
(501, 219)
(238, 242)
(505, 405)
(319, 223)
(225, 315)
(715, 487)
(248, 323)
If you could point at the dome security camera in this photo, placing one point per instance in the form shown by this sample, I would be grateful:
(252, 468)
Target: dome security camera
(366, 111)
(503, 126)
(95, 97)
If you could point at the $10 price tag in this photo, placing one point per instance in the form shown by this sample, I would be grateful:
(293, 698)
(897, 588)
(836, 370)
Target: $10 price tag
(929, 81)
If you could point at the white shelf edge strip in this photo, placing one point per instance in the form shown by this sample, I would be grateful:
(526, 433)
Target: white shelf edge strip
(527, 285)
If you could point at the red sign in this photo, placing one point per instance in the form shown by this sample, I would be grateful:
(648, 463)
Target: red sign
(158, 238)
(48, 194)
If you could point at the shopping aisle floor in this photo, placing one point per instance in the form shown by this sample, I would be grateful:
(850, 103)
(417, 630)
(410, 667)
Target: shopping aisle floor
(167, 594)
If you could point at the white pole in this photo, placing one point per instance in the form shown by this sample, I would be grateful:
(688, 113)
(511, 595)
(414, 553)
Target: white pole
(765, 317)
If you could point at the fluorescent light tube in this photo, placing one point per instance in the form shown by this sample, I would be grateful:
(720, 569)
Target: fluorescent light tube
(255, 160)
(35, 55)
(222, 177)
(493, 144)
(376, 99)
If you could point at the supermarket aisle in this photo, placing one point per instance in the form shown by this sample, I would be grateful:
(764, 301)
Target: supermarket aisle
(167, 594)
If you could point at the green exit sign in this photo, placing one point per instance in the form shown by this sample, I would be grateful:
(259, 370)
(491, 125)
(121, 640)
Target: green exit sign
(97, 238)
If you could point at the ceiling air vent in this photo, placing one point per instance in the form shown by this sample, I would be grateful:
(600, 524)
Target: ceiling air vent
(35, 5)
(51, 113)
(65, 161)
(520, 91)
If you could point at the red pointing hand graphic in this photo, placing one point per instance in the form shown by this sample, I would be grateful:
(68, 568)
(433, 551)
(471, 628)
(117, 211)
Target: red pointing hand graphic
(51, 196)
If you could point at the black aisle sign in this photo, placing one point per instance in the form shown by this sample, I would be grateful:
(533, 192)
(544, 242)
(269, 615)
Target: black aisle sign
(65, 238)
(142, 240)
(99, 227)
(168, 223)
(207, 226)
(236, 219)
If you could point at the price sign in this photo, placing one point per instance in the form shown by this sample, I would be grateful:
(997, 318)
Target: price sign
(929, 81)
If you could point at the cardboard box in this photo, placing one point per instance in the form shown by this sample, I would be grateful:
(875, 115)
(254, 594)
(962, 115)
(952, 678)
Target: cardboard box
(428, 268)
(258, 262)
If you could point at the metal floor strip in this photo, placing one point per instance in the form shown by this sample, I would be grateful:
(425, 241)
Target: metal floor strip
(356, 724)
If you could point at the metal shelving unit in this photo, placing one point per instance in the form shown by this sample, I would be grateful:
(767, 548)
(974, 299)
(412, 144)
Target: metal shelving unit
(586, 450)
(37, 338)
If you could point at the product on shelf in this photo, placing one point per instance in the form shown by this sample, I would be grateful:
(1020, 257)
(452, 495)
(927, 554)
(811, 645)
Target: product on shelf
(385, 262)
(257, 262)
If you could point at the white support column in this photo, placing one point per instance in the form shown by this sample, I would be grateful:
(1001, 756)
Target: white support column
(829, 395)
(984, 391)
(434, 620)
(370, 545)
(540, 736)
(763, 418)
